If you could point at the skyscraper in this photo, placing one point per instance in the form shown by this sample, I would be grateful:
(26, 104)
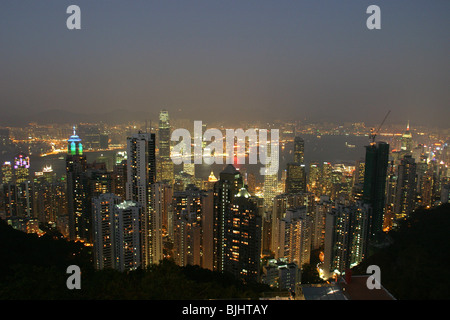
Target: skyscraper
(407, 142)
(104, 230)
(242, 237)
(141, 174)
(21, 168)
(78, 204)
(229, 183)
(295, 178)
(405, 192)
(165, 163)
(299, 150)
(116, 233)
(7, 173)
(374, 191)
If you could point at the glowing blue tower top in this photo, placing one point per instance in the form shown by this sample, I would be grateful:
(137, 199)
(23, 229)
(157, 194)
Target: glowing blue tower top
(74, 144)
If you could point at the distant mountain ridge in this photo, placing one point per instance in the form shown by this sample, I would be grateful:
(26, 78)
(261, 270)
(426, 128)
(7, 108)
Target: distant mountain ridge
(64, 116)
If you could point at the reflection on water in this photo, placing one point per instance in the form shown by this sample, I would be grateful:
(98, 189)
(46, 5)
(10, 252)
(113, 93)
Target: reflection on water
(329, 148)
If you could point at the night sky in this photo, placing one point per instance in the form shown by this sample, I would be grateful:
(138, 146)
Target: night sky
(207, 60)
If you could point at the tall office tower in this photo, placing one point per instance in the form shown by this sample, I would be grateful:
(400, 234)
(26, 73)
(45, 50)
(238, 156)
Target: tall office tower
(77, 191)
(407, 142)
(318, 222)
(119, 178)
(21, 168)
(391, 183)
(104, 230)
(358, 180)
(359, 172)
(345, 237)
(299, 150)
(7, 173)
(141, 174)
(164, 134)
(165, 163)
(229, 183)
(296, 178)
(296, 171)
(242, 238)
(314, 179)
(374, 191)
(294, 238)
(426, 190)
(405, 188)
(270, 189)
(326, 185)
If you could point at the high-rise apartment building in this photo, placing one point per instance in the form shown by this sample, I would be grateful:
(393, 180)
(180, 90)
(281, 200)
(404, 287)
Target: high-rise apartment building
(141, 174)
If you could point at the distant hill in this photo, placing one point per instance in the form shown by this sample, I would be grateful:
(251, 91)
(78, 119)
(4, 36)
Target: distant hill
(417, 264)
(35, 268)
(63, 116)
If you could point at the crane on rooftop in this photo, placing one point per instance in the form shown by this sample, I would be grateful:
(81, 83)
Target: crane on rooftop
(373, 133)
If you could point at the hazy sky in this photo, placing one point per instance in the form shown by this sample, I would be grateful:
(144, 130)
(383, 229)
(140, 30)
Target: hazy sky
(216, 59)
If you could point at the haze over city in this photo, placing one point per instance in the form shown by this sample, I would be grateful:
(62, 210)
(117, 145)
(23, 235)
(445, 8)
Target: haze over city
(206, 60)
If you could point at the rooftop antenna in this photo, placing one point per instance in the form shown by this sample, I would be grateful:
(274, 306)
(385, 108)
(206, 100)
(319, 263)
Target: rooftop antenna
(373, 134)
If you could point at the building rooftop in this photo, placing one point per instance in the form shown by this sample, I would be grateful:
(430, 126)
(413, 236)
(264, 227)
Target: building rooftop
(322, 292)
(356, 289)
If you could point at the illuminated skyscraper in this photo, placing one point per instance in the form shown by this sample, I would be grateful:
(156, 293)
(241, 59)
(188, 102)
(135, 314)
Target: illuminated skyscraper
(164, 134)
(242, 237)
(314, 179)
(21, 168)
(7, 173)
(326, 184)
(141, 174)
(407, 142)
(165, 163)
(270, 189)
(78, 204)
(229, 184)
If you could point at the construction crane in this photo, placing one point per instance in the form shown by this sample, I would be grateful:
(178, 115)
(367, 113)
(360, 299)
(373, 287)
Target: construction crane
(373, 134)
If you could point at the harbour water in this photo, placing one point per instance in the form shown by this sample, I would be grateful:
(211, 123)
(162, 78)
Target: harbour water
(326, 148)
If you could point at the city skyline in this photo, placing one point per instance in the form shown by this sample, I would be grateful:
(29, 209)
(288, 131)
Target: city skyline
(259, 149)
